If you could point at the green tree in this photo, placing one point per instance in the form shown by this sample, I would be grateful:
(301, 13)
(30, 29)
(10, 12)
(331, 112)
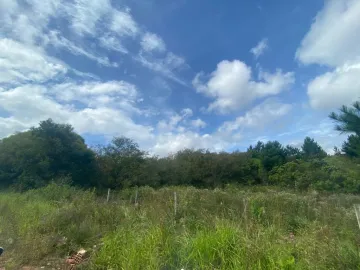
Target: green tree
(66, 152)
(311, 149)
(292, 153)
(120, 163)
(33, 158)
(351, 147)
(271, 154)
(22, 162)
(348, 121)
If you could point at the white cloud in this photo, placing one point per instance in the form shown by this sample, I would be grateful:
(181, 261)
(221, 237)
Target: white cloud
(109, 122)
(166, 66)
(85, 14)
(152, 42)
(259, 116)
(174, 121)
(20, 64)
(260, 48)
(30, 25)
(30, 104)
(113, 94)
(198, 123)
(232, 87)
(96, 88)
(333, 41)
(326, 136)
(123, 24)
(26, 24)
(59, 41)
(336, 88)
(170, 143)
(7, 9)
(333, 38)
(187, 112)
(24, 30)
(319, 128)
(112, 43)
(11, 125)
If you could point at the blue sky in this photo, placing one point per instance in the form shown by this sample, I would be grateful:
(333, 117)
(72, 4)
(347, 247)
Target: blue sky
(173, 74)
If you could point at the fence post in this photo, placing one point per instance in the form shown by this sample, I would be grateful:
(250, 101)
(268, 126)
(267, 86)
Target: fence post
(175, 203)
(357, 210)
(108, 195)
(136, 198)
(245, 213)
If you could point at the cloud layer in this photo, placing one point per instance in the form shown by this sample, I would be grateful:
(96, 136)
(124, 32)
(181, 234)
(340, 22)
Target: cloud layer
(91, 63)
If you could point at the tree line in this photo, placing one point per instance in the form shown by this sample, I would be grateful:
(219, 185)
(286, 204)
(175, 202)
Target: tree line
(55, 152)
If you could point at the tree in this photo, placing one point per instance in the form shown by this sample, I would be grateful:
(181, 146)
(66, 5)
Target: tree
(33, 158)
(22, 162)
(311, 149)
(66, 152)
(271, 154)
(120, 163)
(292, 153)
(348, 120)
(351, 147)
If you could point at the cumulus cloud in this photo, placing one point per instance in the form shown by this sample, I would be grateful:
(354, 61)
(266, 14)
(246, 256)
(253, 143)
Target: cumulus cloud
(176, 134)
(335, 88)
(333, 37)
(232, 86)
(260, 48)
(259, 116)
(334, 45)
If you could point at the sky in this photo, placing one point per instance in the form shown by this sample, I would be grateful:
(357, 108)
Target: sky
(175, 74)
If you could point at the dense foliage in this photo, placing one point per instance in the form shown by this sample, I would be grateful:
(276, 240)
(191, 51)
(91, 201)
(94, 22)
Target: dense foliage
(348, 121)
(54, 151)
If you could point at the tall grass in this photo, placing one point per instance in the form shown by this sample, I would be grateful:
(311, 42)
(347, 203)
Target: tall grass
(231, 228)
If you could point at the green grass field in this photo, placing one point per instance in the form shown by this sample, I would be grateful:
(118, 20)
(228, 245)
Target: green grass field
(231, 228)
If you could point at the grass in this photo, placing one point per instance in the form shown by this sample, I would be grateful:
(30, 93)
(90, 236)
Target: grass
(231, 228)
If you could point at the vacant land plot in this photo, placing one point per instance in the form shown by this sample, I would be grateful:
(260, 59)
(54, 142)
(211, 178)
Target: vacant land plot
(231, 228)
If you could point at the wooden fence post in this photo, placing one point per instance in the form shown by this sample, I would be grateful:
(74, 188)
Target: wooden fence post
(108, 195)
(175, 203)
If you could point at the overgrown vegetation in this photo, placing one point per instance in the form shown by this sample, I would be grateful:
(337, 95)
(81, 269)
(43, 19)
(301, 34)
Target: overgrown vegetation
(230, 228)
(51, 151)
(258, 209)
